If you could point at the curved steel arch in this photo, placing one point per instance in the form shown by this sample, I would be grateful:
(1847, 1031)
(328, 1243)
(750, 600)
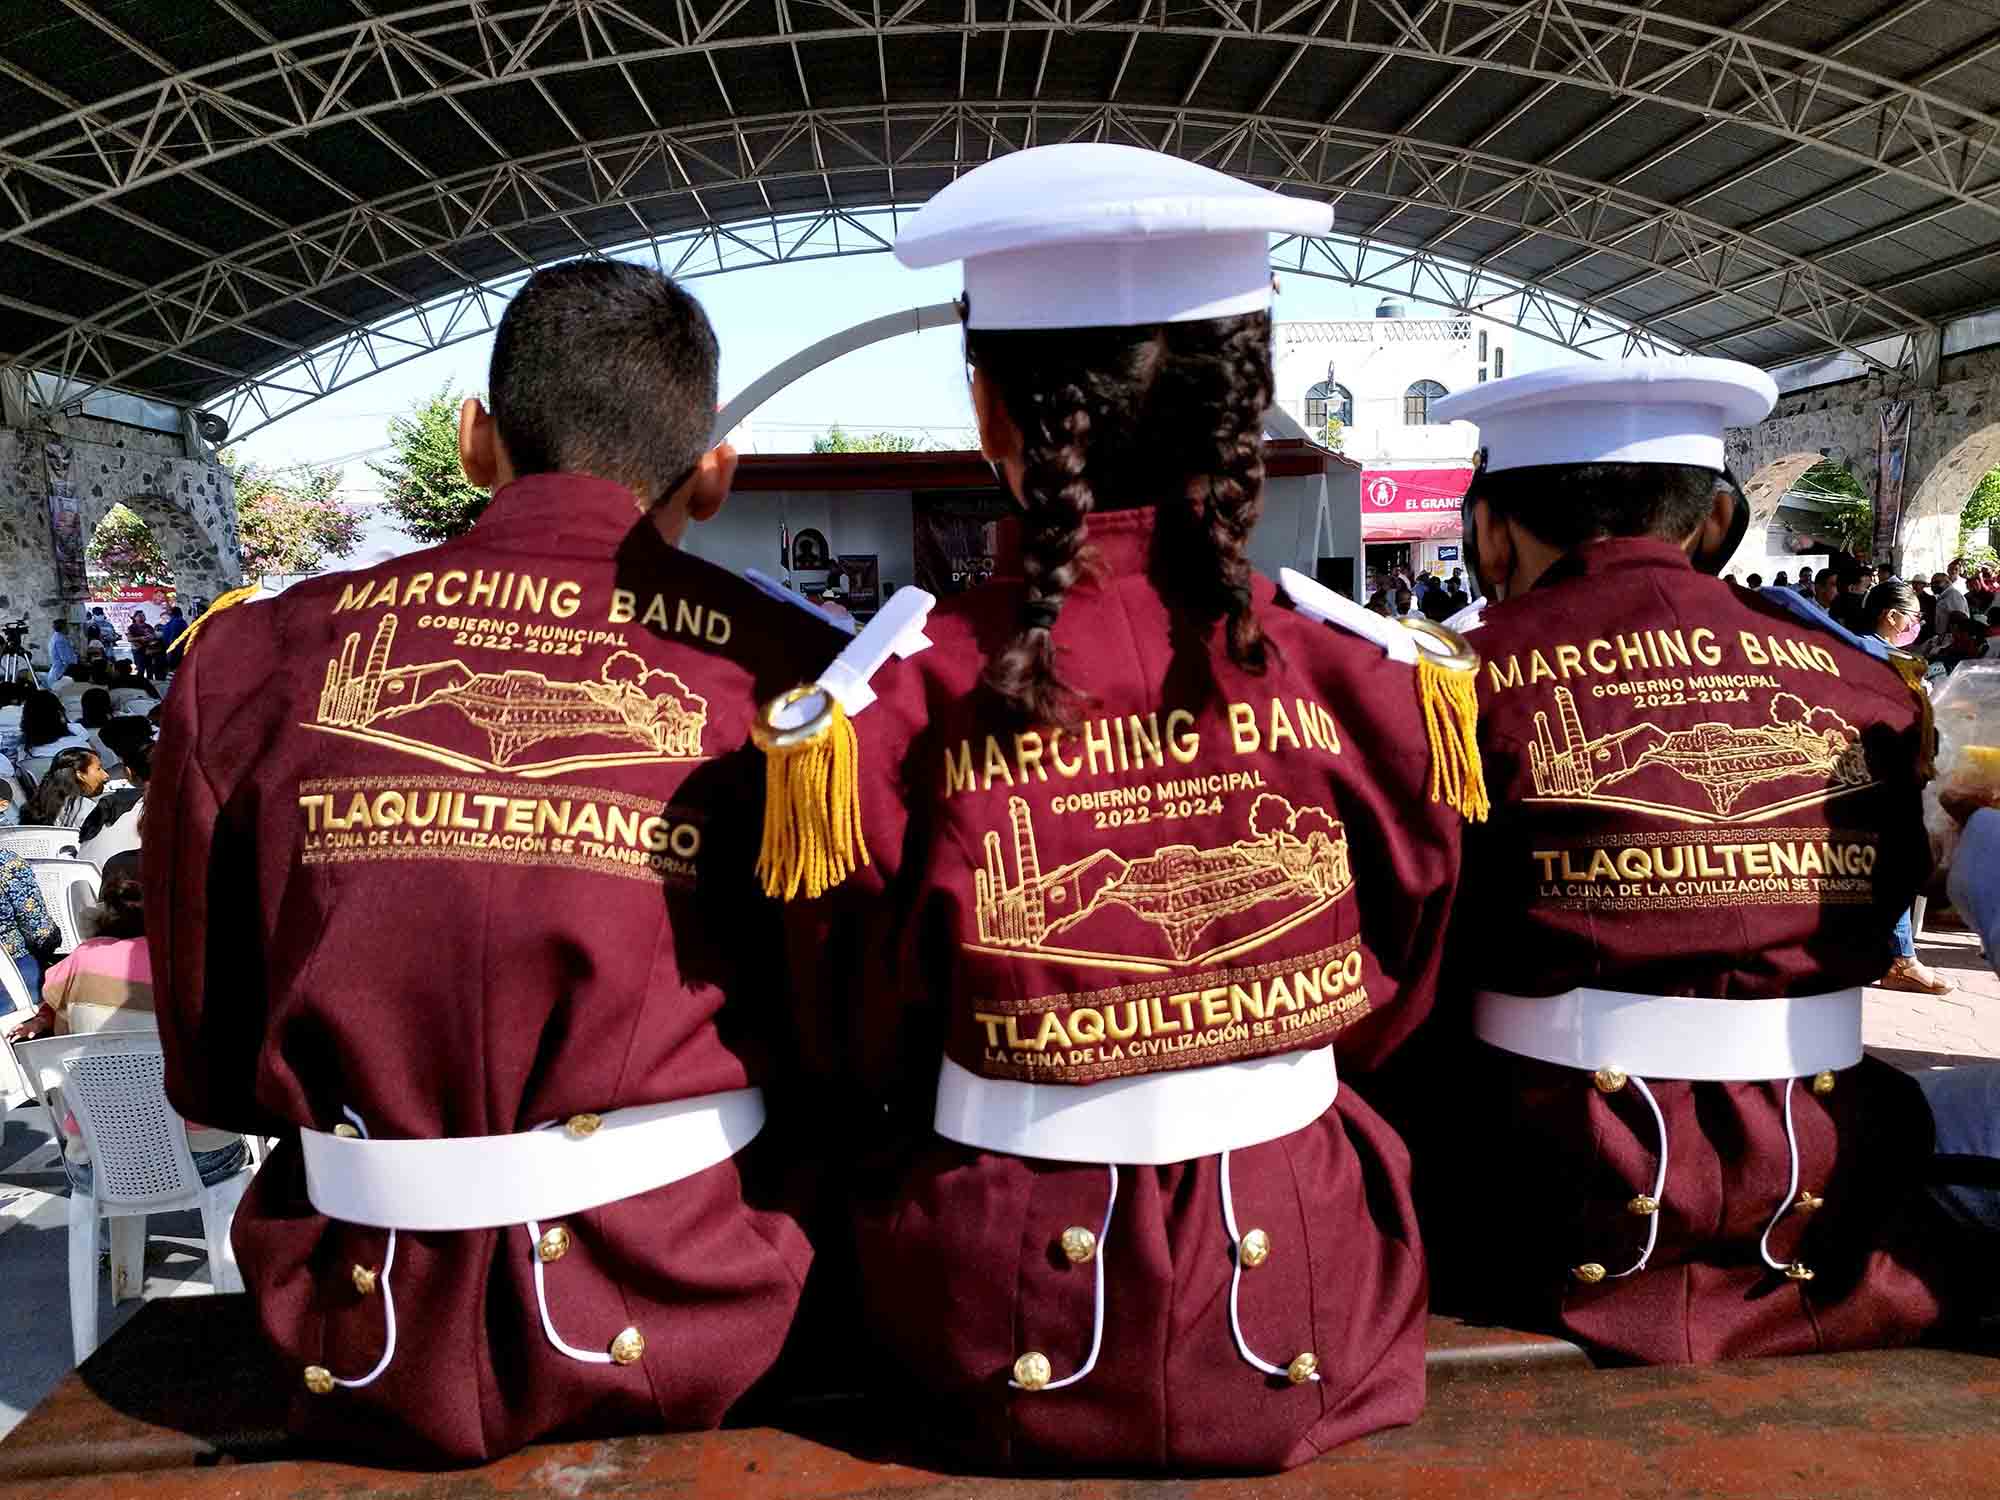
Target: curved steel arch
(289, 89)
(367, 240)
(712, 250)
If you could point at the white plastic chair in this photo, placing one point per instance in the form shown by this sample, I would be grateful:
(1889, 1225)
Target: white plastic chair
(56, 877)
(36, 841)
(82, 897)
(16, 1082)
(115, 1085)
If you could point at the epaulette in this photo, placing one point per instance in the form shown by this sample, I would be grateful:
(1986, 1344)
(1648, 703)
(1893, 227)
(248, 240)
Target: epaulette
(1914, 671)
(812, 783)
(1447, 671)
(226, 600)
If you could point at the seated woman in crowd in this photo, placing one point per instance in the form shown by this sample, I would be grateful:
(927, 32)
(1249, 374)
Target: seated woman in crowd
(131, 693)
(94, 714)
(46, 732)
(113, 825)
(65, 795)
(27, 931)
(107, 985)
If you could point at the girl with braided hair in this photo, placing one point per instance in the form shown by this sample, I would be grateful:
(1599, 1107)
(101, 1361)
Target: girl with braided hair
(1145, 849)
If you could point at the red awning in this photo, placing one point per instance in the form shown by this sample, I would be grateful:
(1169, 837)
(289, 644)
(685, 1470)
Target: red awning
(1411, 505)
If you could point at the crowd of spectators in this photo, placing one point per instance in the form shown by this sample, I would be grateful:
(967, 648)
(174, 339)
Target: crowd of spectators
(1398, 596)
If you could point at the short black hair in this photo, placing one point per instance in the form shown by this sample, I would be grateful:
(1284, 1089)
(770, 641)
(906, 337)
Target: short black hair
(607, 368)
(1567, 505)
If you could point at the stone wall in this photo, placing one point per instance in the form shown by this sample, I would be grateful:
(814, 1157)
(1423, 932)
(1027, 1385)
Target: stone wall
(190, 506)
(1954, 439)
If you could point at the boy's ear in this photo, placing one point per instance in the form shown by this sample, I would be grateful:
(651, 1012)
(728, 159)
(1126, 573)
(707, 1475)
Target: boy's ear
(478, 454)
(709, 486)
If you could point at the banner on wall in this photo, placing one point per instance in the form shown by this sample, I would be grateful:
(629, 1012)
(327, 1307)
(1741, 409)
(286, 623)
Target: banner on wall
(120, 605)
(1889, 479)
(65, 523)
(1412, 505)
(954, 536)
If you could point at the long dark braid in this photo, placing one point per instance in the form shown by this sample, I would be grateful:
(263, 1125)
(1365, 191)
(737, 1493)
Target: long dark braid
(1227, 370)
(1169, 415)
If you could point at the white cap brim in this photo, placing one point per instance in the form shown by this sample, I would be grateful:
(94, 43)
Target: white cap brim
(1638, 411)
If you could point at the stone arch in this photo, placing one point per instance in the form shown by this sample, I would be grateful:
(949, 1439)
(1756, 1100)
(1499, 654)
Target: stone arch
(1770, 484)
(198, 567)
(1929, 535)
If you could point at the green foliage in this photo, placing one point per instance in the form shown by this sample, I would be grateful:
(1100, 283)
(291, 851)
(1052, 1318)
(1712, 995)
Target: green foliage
(422, 483)
(837, 441)
(1334, 433)
(123, 550)
(291, 521)
(1849, 520)
(1982, 509)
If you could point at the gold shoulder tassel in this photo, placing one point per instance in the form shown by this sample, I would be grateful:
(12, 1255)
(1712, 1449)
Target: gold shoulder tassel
(1448, 688)
(223, 601)
(812, 795)
(1913, 670)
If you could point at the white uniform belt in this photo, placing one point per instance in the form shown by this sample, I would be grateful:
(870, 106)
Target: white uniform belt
(1672, 1036)
(484, 1181)
(1150, 1120)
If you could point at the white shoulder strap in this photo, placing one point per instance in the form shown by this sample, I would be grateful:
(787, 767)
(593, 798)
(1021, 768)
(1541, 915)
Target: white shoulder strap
(1322, 603)
(896, 630)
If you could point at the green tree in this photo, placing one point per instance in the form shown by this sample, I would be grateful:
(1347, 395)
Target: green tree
(837, 441)
(1334, 433)
(1847, 515)
(125, 554)
(422, 483)
(291, 521)
(1981, 511)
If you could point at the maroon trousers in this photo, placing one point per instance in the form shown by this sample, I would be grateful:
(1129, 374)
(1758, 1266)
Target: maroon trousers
(963, 1271)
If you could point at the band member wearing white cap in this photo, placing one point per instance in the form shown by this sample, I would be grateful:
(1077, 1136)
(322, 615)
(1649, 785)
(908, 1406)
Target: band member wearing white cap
(1665, 1139)
(1149, 849)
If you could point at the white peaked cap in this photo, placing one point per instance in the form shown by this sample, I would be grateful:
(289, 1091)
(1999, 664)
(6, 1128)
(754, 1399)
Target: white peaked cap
(1628, 411)
(1094, 236)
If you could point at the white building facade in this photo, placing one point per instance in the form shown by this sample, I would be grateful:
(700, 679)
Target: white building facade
(1378, 376)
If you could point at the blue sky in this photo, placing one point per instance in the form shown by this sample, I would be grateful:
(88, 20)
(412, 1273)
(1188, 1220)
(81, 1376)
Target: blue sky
(914, 383)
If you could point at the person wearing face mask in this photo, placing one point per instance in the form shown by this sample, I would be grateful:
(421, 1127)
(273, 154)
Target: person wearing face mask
(1895, 619)
(1705, 823)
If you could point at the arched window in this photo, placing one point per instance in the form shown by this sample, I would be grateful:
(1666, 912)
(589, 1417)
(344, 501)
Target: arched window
(1417, 402)
(1328, 400)
(1499, 364)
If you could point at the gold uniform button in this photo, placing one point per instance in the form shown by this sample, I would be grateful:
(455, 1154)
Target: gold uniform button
(1589, 1273)
(346, 1131)
(319, 1380)
(364, 1280)
(1823, 1084)
(1255, 1249)
(1644, 1206)
(1799, 1271)
(1302, 1368)
(583, 1125)
(553, 1245)
(1608, 1080)
(628, 1348)
(1808, 1203)
(1078, 1244)
(1031, 1371)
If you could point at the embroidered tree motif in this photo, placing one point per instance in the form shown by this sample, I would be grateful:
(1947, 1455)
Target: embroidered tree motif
(1271, 817)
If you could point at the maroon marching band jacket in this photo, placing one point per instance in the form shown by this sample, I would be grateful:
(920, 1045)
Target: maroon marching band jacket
(1209, 866)
(1621, 701)
(462, 843)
